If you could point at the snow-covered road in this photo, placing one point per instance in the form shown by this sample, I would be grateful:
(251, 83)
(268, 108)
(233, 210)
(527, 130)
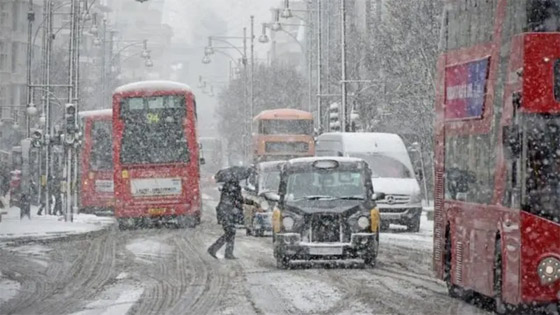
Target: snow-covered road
(167, 271)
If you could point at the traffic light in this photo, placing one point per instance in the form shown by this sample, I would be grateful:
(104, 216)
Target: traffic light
(334, 117)
(70, 119)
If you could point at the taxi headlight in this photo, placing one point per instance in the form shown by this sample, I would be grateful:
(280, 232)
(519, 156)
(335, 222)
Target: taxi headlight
(549, 270)
(264, 205)
(288, 223)
(363, 222)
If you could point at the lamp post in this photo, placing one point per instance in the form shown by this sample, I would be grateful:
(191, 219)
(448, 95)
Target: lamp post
(210, 49)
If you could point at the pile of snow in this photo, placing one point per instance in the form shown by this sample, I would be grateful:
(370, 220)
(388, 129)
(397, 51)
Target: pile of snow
(47, 226)
(422, 240)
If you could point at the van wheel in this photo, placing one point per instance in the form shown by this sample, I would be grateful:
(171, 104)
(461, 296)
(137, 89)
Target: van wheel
(414, 226)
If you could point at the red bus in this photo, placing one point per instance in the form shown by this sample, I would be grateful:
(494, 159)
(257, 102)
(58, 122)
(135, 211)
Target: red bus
(155, 154)
(497, 152)
(96, 158)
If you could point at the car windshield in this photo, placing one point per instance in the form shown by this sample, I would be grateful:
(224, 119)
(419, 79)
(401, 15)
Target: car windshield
(321, 184)
(270, 181)
(383, 166)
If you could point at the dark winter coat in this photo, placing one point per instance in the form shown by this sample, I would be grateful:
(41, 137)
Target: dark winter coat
(231, 203)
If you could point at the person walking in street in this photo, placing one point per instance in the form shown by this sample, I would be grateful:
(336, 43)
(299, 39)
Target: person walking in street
(231, 201)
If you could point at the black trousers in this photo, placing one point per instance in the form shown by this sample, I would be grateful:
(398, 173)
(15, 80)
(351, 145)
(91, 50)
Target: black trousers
(228, 239)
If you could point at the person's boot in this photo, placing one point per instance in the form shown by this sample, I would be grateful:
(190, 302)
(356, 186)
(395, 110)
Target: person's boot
(212, 253)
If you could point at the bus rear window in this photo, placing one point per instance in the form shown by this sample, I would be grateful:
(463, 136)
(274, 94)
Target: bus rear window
(101, 157)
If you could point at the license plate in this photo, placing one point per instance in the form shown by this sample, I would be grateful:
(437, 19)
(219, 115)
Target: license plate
(326, 251)
(156, 211)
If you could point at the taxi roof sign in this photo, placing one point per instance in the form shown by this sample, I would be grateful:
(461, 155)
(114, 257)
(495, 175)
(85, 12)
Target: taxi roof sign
(325, 164)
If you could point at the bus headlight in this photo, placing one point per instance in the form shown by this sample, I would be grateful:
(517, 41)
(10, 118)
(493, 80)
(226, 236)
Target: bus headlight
(288, 223)
(363, 222)
(549, 270)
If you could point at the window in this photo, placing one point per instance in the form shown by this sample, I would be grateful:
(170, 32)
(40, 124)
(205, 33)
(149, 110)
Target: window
(543, 15)
(321, 184)
(384, 166)
(293, 127)
(4, 56)
(101, 157)
(153, 130)
(557, 80)
(470, 23)
(469, 168)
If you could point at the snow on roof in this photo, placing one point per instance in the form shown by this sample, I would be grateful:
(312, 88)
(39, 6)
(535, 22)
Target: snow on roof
(358, 142)
(339, 159)
(98, 112)
(153, 86)
(269, 164)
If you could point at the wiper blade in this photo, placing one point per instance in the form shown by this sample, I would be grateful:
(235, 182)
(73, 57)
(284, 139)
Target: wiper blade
(351, 198)
(317, 197)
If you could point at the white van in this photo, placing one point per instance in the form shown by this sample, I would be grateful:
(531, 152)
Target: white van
(392, 170)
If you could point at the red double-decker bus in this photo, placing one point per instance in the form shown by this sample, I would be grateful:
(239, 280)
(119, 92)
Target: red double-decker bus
(96, 158)
(156, 156)
(497, 152)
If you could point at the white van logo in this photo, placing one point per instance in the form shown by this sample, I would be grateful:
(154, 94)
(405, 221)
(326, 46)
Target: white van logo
(390, 199)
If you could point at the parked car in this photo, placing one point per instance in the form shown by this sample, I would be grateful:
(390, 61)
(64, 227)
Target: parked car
(392, 172)
(263, 181)
(326, 210)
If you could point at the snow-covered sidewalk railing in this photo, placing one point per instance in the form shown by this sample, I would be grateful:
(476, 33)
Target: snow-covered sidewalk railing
(47, 226)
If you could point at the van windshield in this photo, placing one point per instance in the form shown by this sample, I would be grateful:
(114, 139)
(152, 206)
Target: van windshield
(383, 166)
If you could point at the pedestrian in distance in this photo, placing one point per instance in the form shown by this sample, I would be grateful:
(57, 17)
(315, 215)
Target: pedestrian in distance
(231, 202)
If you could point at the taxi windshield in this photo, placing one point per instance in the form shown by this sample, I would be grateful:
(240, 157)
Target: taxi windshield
(321, 184)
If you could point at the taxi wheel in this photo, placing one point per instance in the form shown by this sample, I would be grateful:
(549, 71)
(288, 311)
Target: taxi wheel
(282, 262)
(259, 233)
(122, 224)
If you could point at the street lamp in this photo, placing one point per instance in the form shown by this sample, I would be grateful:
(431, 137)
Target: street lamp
(276, 26)
(209, 50)
(287, 13)
(206, 60)
(31, 110)
(263, 38)
(149, 62)
(42, 120)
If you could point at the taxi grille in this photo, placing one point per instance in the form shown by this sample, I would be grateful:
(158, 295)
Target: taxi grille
(326, 228)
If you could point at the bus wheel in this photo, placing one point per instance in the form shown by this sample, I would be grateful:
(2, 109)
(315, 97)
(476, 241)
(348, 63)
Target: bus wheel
(452, 289)
(499, 306)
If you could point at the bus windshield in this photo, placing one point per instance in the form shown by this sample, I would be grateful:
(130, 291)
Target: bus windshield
(282, 126)
(153, 130)
(384, 166)
(101, 146)
(543, 166)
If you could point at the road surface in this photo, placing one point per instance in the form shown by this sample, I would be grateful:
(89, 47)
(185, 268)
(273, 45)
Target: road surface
(167, 271)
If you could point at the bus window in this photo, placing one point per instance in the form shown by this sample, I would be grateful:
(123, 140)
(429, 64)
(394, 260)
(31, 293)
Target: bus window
(101, 148)
(299, 127)
(543, 15)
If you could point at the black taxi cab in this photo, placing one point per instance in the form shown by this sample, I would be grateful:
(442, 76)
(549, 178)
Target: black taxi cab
(326, 210)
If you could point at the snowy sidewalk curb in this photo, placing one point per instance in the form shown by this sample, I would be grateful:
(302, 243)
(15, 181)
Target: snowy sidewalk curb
(51, 238)
(41, 229)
